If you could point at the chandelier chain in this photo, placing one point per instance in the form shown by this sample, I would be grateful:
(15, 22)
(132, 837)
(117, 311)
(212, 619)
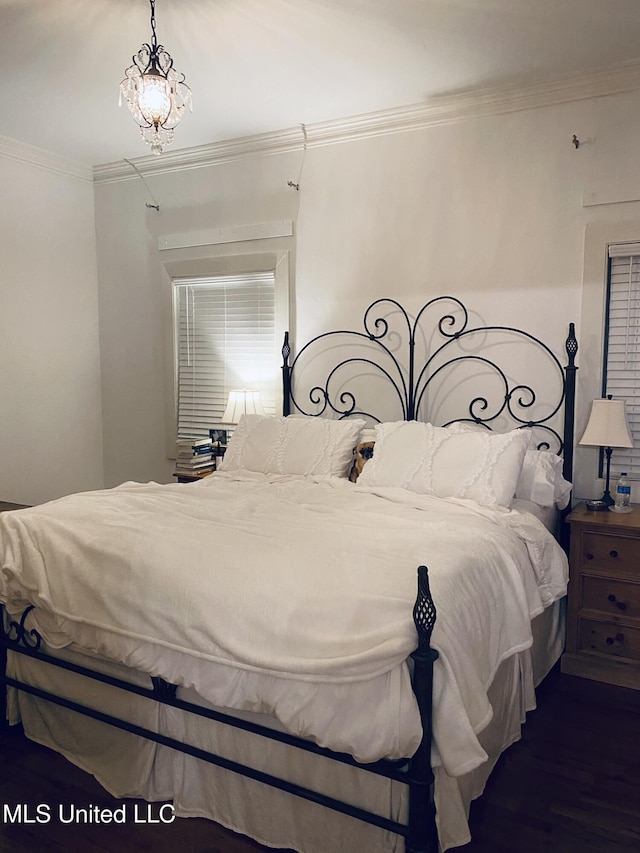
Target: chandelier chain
(154, 39)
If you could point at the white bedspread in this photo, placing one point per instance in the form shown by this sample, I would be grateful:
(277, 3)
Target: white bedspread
(291, 596)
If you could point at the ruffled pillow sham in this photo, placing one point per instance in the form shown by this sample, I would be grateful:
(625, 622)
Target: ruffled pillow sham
(292, 445)
(476, 465)
(541, 480)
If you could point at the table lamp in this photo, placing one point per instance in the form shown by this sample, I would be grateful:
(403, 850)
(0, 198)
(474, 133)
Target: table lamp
(607, 428)
(242, 403)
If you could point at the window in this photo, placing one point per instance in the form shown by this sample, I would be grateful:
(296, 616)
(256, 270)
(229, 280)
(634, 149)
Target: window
(622, 346)
(225, 338)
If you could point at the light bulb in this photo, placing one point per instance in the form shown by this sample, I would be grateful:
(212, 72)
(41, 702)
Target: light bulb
(154, 98)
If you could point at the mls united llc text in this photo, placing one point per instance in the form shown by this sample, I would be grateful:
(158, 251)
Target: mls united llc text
(42, 813)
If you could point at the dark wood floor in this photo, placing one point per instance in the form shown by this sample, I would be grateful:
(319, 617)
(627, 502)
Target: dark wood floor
(571, 785)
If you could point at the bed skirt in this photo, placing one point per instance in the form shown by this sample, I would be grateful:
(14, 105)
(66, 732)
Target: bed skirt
(128, 766)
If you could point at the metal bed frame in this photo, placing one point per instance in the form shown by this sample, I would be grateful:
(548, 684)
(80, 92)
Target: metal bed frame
(410, 382)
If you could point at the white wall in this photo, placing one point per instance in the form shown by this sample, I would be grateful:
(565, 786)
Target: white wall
(489, 210)
(134, 297)
(50, 406)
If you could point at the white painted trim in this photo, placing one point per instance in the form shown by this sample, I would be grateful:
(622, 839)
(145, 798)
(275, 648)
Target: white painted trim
(44, 159)
(598, 237)
(479, 103)
(610, 194)
(447, 109)
(232, 234)
(278, 142)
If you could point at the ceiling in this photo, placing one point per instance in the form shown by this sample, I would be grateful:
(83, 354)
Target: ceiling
(257, 66)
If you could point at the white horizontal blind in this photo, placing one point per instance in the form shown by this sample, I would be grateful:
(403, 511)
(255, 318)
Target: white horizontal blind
(225, 339)
(623, 348)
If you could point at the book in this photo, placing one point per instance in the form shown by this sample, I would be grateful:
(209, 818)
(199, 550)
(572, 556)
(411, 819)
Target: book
(197, 457)
(190, 468)
(195, 467)
(193, 443)
(189, 472)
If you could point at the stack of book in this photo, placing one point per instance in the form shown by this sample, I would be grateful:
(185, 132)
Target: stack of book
(194, 456)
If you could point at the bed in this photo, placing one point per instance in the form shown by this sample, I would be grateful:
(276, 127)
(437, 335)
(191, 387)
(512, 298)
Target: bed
(228, 643)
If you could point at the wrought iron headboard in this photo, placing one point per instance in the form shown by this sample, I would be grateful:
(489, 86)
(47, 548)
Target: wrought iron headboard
(411, 380)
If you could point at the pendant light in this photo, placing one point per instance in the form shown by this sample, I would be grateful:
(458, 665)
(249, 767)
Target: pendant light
(155, 92)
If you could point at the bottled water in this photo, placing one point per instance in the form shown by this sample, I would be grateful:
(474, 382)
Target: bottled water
(623, 494)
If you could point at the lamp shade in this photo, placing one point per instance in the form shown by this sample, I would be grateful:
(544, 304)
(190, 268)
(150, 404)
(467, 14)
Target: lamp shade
(242, 403)
(607, 425)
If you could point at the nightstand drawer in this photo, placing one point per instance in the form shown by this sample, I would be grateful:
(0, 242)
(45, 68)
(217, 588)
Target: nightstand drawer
(609, 639)
(611, 596)
(614, 554)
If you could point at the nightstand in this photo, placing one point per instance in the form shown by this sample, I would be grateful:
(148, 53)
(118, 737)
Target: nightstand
(603, 617)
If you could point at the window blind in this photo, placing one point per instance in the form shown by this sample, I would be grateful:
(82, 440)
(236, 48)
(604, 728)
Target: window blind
(225, 339)
(622, 355)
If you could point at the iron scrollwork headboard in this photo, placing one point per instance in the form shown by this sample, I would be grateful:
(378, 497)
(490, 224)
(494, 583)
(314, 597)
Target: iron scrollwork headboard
(451, 342)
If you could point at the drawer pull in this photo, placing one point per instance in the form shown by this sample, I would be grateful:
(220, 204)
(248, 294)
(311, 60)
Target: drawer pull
(589, 556)
(621, 605)
(613, 553)
(619, 638)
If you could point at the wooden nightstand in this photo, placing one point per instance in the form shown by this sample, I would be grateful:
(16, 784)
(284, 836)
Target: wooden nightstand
(603, 619)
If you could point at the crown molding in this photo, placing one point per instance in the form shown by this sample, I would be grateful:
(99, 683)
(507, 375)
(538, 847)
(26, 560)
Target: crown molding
(478, 103)
(44, 159)
(279, 142)
(445, 109)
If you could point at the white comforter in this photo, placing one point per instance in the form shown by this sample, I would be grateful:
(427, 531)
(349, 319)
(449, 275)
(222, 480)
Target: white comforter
(291, 596)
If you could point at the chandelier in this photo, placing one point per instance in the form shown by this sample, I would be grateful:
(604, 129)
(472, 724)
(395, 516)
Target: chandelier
(155, 92)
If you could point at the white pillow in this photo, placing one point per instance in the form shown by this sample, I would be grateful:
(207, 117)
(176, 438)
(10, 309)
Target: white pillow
(293, 445)
(478, 465)
(541, 480)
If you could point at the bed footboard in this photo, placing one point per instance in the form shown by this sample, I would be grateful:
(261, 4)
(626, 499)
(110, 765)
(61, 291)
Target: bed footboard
(423, 834)
(420, 832)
